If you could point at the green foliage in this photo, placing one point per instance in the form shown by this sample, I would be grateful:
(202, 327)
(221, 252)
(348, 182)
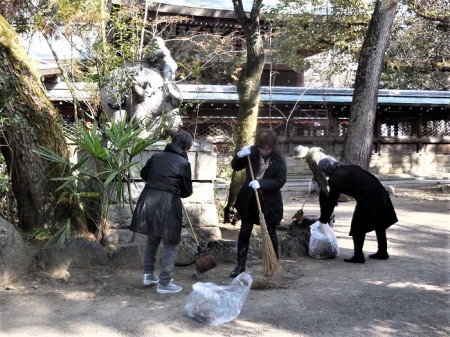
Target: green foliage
(413, 59)
(59, 238)
(53, 239)
(433, 10)
(41, 233)
(106, 157)
(224, 171)
(307, 27)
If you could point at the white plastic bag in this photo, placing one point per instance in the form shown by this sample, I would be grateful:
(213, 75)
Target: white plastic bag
(213, 304)
(322, 243)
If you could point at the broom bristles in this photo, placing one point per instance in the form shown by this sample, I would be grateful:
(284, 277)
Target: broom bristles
(270, 260)
(204, 262)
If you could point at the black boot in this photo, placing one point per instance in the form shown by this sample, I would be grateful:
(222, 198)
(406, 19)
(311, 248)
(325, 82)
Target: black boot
(358, 243)
(241, 261)
(236, 271)
(380, 255)
(356, 259)
(242, 248)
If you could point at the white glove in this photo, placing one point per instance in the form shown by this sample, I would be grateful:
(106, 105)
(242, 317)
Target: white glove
(254, 184)
(245, 151)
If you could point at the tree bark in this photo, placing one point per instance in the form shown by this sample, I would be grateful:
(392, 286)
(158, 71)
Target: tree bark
(31, 122)
(248, 89)
(358, 141)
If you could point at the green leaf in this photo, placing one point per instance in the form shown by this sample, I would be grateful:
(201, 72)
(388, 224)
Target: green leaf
(111, 177)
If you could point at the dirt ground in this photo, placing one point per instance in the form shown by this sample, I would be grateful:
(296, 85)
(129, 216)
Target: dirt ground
(407, 295)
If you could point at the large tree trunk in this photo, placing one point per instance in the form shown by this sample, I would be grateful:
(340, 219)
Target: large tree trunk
(31, 121)
(358, 141)
(248, 89)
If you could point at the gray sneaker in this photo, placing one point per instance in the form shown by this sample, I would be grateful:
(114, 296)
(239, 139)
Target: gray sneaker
(170, 288)
(150, 279)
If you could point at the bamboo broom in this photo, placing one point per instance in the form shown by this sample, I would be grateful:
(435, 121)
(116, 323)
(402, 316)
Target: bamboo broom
(270, 261)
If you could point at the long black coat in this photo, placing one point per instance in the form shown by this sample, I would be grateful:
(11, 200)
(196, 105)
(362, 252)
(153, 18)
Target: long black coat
(271, 183)
(158, 211)
(374, 207)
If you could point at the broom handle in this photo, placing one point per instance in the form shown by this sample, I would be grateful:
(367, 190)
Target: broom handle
(256, 191)
(309, 191)
(190, 224)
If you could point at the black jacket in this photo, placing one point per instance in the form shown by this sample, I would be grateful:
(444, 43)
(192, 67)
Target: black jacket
(158, 211)
(271, 183)
(374, 207)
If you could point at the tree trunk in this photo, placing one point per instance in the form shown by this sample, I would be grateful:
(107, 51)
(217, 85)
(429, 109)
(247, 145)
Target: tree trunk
(248, 89)
(31, 122)
(358, 141)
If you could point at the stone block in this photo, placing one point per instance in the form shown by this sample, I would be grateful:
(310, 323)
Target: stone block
(209, 217)
(76, 253)
(122, 236)
(206, 165)
(203, 193)
(120, 215)
(128, 256)
(208, 234)
(201, 215)
(15, 258)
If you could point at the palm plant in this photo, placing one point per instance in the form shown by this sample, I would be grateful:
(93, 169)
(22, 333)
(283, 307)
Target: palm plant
(103, 170)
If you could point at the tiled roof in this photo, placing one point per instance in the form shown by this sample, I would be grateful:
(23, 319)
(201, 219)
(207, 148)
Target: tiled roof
(278, 95)
(228, 94)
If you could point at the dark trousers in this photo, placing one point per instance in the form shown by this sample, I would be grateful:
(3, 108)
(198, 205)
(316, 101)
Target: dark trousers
(244, 241)
(168, 257)
(358, 241)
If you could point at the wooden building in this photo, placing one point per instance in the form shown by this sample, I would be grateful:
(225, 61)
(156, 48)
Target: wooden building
(412, 133)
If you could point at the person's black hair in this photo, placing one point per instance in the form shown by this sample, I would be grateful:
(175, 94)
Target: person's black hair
(182, 139)
(266, 138)
(328, 164)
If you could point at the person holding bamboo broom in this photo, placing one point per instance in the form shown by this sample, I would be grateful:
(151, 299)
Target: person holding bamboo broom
(159, 213)
(265, 175)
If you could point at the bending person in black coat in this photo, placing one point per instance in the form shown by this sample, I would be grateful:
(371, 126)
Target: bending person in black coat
(373, 211)
(269, 169)
(158, 212)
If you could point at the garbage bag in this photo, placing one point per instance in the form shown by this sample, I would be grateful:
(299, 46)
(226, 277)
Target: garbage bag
(322, 242)
(213, 305)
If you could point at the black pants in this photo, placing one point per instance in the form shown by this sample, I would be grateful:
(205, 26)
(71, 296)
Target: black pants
(244, 241)
(358, 241)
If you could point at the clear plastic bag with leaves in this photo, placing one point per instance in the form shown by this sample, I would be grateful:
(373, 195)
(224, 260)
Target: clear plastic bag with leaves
(322, 242)
(214, 305)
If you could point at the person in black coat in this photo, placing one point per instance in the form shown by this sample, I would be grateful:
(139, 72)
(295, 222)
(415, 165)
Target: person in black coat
(269, 169)
(373, 211)
(158, 213)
